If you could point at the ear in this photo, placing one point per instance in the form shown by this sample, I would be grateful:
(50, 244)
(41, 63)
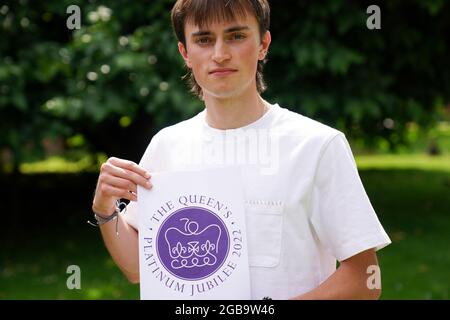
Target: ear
(264, 46)
(183, 52)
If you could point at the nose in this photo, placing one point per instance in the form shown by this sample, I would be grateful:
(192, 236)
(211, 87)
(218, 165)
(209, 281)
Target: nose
(221, 52)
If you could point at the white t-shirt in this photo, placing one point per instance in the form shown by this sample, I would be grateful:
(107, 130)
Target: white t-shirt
(305, 203)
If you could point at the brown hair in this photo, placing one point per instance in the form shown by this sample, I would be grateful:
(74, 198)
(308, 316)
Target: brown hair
(204, 12)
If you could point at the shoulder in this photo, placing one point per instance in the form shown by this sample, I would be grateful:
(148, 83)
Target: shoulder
(298, 126)
(179, 130)
(165, 139)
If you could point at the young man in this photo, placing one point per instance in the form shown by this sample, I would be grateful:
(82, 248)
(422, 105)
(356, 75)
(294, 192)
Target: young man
(309, 210)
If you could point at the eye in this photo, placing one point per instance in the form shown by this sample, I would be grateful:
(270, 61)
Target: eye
(238, 36)
(203, 40)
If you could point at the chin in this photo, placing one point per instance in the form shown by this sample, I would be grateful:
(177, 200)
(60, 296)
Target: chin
(224, 92)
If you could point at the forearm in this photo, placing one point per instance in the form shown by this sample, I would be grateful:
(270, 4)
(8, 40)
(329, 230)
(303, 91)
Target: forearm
(119, 179)
(349, 281)
(341, 286)
(123, 247)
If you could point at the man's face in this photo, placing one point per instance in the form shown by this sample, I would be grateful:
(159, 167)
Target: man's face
(224, 56)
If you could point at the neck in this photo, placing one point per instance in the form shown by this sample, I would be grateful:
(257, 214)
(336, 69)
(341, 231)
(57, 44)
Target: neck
(235, 112)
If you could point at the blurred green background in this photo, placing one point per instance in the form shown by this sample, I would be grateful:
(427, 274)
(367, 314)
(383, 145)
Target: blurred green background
(71, 98)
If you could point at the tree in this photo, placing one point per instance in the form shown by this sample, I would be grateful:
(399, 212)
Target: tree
(117, 80)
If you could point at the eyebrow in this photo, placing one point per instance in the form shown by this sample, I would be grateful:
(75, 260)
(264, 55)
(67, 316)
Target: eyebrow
(229, 30)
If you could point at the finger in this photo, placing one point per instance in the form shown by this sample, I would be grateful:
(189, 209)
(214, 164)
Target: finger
(130, 165)
(119, 193)
(120, 183)
(126, 174)
(124, 183)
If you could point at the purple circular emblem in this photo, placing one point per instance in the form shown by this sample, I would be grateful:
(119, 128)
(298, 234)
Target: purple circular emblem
(192, 243)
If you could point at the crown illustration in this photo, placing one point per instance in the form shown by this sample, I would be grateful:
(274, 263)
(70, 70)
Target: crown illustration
(191, 248)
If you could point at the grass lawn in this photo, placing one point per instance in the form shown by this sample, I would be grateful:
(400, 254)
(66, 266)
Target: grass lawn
(414, 207)
(413, 204)
(36, 268)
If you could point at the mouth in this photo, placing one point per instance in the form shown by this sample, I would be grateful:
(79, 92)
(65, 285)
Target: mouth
(222, 71)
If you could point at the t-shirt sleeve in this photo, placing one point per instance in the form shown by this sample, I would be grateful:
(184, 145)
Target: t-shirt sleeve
(342, 215)
(130, 215)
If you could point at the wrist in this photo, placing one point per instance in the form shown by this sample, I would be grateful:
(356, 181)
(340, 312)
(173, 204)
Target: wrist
(104, 211)
(101, 219)
(104, 216)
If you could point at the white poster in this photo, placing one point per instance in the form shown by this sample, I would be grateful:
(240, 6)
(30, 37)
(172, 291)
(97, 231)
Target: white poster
(192, 242)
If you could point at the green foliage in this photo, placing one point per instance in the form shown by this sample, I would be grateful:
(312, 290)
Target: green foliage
(60, 83)
(121, 72)
(336, 70)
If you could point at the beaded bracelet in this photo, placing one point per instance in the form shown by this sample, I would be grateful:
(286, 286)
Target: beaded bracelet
(101, 220)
